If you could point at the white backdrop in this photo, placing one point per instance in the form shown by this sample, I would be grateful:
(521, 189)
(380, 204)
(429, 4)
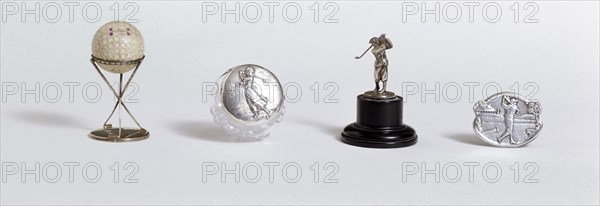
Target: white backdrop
(441, 68)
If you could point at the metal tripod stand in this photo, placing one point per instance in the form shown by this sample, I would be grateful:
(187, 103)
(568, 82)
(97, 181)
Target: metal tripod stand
(119, 134)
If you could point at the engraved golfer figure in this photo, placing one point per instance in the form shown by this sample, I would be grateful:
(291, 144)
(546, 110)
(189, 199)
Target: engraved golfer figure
(510, 110)
(379, 45)
(255, 100)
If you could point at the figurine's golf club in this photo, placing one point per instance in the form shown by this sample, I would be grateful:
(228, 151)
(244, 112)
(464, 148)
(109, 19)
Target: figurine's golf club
(358, 57)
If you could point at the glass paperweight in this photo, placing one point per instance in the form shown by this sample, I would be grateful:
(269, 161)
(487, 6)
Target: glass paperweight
(249, 102)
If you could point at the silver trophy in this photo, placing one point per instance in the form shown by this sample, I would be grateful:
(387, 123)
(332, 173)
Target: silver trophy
(118, 47)
(379, 112)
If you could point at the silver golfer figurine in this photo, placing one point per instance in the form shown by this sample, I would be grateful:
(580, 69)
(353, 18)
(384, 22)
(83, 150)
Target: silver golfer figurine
(507, 120)
(378, 47)
(379, 112)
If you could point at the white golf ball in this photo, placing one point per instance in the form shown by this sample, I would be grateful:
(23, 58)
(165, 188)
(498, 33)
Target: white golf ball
(118, 41)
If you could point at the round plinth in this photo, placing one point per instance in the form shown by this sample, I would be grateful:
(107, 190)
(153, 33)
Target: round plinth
(379, 124)
(357, 135)
(112, 135)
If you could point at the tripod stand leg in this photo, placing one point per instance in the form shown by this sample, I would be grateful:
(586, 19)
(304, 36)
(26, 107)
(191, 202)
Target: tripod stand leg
(123, 91)
(120, 134)
(119, 100)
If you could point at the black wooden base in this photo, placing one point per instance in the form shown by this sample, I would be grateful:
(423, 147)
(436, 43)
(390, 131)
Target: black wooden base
(379, 125)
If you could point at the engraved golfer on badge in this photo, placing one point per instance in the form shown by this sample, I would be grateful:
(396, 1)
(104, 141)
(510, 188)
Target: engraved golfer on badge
(257, 103)
(249, 101)
(507, 120)
(379, 112)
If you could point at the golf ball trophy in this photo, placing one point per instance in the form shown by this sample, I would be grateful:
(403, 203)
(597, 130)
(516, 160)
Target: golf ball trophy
(118, 48)
(249, 102)
(379, 112)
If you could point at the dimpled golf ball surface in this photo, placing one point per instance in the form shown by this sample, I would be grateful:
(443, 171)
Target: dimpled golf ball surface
(118, 41)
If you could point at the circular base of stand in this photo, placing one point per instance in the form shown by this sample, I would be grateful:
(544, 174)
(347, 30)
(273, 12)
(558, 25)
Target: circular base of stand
(379, 95)
(360, 136)
(112, 135)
